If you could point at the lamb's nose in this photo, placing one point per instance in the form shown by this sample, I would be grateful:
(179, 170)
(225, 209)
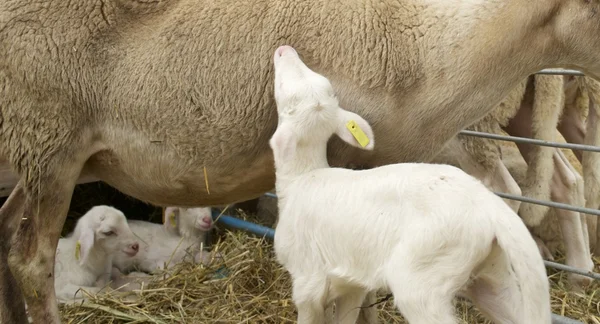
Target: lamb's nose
(135, 246)
(283, 49)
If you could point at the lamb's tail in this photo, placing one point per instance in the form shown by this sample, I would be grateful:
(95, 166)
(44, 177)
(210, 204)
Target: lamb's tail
(526, 262)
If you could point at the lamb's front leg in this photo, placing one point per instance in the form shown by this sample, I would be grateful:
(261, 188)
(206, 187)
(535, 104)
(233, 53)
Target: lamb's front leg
(309, 296)
(71, 293)
(104, 279)
(347, 306)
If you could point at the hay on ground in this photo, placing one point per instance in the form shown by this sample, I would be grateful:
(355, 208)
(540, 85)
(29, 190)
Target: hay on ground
(247, 285)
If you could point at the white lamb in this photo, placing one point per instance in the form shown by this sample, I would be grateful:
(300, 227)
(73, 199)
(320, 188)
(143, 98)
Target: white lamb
(183, 233)
(426, 232)
(84, 258)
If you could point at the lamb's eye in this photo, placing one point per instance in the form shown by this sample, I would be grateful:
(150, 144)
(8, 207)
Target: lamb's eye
(109, 233)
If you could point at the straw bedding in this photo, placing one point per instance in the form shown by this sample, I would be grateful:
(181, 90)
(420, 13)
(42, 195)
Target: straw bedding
(247, 285)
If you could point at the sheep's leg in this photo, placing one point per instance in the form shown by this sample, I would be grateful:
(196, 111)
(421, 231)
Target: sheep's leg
(12, 306)
(591, 173)
(567, 188)
(347, 306)
(499, 180)
(544, 251)
(309, 295)
(493, 174)
(31, 258)
(572, 124)
(574, 130)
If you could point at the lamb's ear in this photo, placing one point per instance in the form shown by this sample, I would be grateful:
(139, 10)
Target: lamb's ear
(84, 244)
(171, 219)
(355, 130)
(283, 142)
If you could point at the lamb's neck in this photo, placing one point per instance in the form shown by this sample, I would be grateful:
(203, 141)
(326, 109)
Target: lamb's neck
(304, 160)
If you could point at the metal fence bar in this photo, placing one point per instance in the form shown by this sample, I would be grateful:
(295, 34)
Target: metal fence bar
(272, 195)
(560, 72)
(553, 204)
(526, 140)
(563, 267)
(234, 222)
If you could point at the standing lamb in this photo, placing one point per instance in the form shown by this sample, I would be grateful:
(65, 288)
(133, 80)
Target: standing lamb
(148, 96)
(427, 232)
(84, 258)
(183, 233)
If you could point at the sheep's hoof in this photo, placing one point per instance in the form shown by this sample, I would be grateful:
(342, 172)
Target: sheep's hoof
(544, 251)
(578, 283)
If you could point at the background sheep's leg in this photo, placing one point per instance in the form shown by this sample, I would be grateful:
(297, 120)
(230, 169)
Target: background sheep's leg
(581, 97)
(12, 307)
(591, 172)
(572, 125)
(481, 159)
(544, 251)
(537, 117)
(31, 258)
(567, 187)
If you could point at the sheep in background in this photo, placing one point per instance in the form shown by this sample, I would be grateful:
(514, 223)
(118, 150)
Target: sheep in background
(426, 231)
(182, 234)
(84, 258)
(550, 231)
(579, 125)
(532, 110)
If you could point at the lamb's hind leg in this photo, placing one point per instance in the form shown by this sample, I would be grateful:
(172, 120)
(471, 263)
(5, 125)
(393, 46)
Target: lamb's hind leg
(31, 258)
(12, 307)
(494, 291)
(423, 293)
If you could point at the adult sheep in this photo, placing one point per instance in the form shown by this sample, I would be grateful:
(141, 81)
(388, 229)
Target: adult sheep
(149, 96)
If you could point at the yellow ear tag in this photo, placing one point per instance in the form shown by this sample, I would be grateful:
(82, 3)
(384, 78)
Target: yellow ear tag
(77, 250)
(172, 219)
(358, 133)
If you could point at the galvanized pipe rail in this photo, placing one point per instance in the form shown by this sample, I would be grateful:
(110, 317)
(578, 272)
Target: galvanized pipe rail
(560, 72)
(525, 140)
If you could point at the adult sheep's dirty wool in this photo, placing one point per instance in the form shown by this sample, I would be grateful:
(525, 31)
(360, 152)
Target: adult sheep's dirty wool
(151, 96)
